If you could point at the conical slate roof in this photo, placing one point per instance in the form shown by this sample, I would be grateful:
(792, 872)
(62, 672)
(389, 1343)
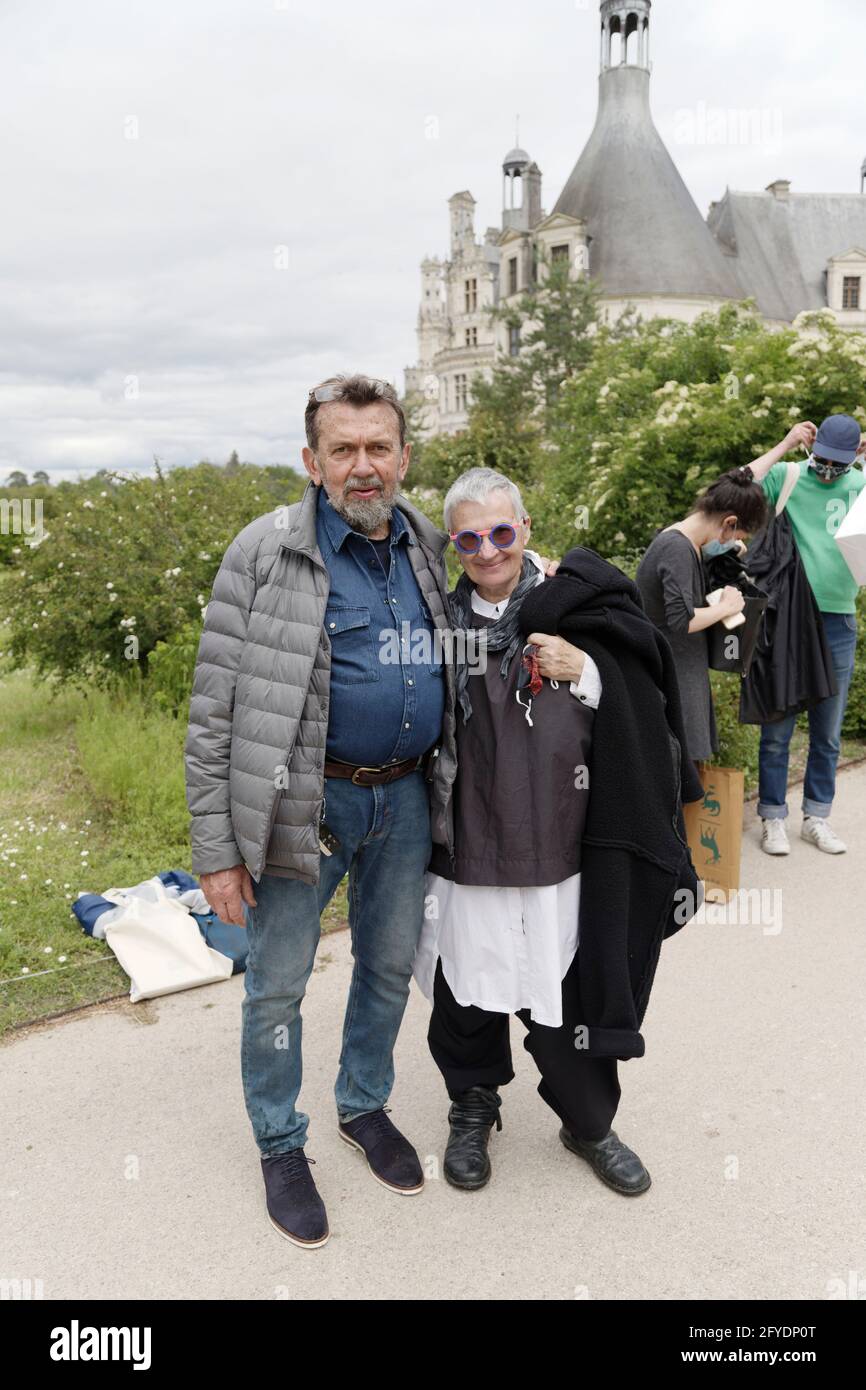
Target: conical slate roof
(648, 236)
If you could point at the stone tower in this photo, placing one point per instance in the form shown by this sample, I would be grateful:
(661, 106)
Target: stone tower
(648, 238)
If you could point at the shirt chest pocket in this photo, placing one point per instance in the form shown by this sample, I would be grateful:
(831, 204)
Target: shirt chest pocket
(354, 659)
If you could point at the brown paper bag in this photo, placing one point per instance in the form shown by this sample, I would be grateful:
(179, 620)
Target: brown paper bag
(714, 828)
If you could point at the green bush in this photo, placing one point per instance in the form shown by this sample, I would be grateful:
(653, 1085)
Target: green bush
(126, 564)
(657, 415)
(738, 743)
(170, 670)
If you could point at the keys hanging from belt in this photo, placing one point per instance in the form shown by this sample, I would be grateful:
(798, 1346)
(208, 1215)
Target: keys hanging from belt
(328, 841)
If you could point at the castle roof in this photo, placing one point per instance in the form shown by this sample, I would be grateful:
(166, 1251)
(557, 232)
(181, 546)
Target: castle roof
(781, 243)
(648, 237)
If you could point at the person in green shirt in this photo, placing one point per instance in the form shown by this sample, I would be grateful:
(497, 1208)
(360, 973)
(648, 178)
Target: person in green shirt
(827, 486)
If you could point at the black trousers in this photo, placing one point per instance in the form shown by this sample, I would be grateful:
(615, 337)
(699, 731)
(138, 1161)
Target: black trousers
(472, 1047)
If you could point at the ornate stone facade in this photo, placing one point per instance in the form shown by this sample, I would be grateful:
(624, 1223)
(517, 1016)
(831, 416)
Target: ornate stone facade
(626, 218)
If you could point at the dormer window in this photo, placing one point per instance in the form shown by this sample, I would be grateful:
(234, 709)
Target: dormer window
(851, 292)
(845, 274)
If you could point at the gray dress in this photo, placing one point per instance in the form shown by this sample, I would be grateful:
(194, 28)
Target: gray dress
(671, 581)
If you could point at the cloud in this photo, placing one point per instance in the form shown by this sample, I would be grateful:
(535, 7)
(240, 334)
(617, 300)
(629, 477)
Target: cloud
(224, 202)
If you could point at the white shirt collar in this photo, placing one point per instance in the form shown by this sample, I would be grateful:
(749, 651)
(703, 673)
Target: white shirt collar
(484, 609)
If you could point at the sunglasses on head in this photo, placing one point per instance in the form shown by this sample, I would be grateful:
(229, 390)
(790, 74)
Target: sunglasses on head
(334, 392)
(502, 535)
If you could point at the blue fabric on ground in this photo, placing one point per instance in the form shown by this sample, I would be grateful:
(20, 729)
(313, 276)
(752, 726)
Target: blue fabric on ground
(224, 937)
(89, 907)
(221, 936)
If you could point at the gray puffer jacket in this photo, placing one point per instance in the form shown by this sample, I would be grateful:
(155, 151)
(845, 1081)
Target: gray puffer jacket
(258, 718)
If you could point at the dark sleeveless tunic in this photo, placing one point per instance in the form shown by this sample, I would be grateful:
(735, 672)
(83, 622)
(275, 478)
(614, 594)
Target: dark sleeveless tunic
(521, 793)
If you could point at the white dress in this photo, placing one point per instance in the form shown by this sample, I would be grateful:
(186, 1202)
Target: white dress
(504, 949)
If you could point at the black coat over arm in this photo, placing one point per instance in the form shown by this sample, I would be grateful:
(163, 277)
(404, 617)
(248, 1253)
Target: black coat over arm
(638, 883)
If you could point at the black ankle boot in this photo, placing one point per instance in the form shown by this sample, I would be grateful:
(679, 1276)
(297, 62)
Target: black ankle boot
(471, 1118)
(611, 1160)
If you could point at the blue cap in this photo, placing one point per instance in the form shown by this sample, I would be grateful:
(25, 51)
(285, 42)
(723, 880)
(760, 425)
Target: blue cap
(838, 439)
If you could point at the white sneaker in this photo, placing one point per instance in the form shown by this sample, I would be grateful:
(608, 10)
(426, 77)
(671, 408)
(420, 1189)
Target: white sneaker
(774, 837)
(818, 832)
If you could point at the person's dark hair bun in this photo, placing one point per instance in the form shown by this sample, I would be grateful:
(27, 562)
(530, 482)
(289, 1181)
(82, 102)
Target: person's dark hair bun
(742, 477)
(735, 494)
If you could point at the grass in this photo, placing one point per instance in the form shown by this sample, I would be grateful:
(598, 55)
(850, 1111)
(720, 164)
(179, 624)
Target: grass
(51, 840)
(91, 797)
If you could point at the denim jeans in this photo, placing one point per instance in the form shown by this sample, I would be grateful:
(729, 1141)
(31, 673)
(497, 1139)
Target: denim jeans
(825, 729)
(384, 835)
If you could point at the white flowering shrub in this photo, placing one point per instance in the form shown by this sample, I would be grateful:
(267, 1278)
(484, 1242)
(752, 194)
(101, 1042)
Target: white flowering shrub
(661, 412)
(126, 567)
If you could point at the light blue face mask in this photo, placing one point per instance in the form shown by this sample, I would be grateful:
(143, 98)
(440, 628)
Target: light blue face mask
(713, 549)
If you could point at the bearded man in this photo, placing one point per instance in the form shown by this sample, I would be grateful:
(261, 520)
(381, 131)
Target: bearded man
(306, 759)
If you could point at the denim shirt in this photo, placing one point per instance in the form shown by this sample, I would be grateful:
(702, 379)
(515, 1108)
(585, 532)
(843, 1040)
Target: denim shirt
(381, 710)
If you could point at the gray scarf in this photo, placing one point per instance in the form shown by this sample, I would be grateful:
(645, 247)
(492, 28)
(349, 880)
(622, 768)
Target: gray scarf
(502, 635)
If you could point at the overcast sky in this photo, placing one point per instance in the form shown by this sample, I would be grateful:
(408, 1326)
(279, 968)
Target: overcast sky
(156, 154)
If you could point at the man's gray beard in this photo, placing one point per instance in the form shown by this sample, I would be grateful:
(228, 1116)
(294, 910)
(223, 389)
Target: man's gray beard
(362, 516)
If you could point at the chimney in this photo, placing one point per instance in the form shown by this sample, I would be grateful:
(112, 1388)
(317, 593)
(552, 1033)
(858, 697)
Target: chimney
(780, 189)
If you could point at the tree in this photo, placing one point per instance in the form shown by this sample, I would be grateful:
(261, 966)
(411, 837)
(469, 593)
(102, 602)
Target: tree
(128, 565)
(553, 325)
(555, 322)
(17, 479)
(659, 414)
(513, 413)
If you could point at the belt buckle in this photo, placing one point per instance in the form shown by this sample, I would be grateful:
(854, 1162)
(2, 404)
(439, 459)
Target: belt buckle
(364, 769)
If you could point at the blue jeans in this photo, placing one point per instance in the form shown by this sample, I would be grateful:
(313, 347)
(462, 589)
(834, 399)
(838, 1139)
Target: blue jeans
(825, 730)
(384, 835)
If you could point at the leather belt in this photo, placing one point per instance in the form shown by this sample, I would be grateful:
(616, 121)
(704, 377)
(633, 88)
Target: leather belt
(373, 776)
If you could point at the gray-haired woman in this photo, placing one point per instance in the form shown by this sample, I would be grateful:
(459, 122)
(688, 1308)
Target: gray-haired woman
(503, 938)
